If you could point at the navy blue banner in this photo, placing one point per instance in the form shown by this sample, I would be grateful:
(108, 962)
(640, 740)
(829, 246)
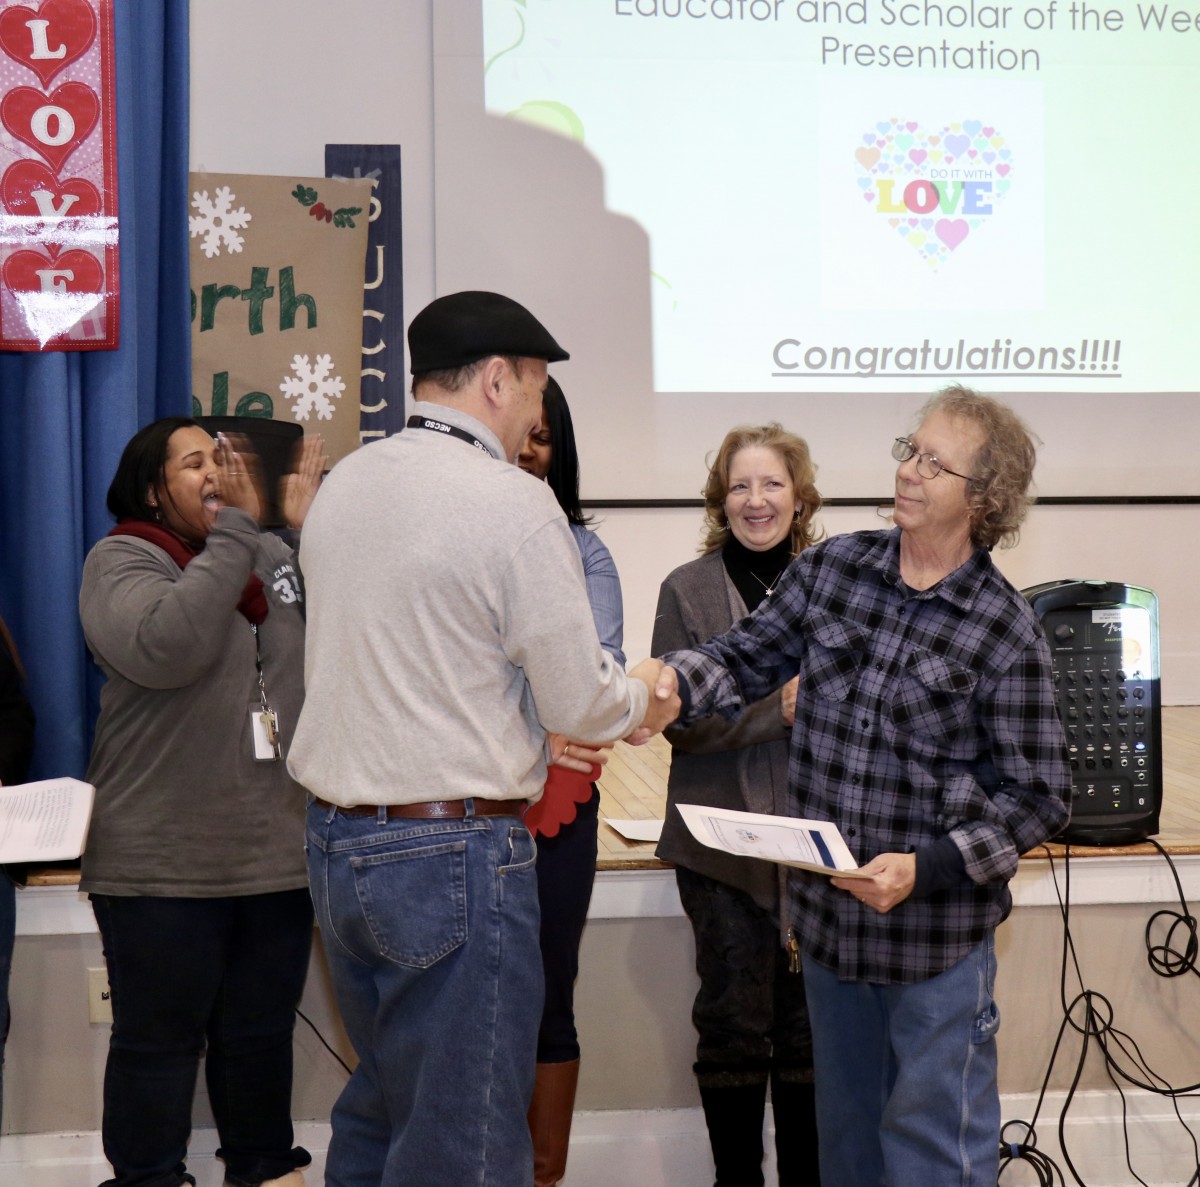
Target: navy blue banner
(381, 397)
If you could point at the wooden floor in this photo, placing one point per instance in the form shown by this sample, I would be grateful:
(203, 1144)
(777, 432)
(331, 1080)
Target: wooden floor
(634, 787)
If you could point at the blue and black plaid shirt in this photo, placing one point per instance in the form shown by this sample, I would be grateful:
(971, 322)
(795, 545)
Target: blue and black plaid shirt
(921, 715)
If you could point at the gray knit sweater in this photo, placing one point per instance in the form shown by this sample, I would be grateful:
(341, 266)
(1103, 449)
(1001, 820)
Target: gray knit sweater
(448, 627)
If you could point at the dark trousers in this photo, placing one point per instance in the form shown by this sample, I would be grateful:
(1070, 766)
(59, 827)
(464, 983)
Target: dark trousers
(566, 869)
(750, 1012)
(183, 972)
(8, 935)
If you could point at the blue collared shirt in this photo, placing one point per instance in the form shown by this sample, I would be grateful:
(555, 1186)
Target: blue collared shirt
(921, 716)
(603, 590)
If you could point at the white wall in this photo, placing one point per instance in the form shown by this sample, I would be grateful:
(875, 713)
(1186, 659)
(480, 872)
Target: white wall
(273, 83)
(268, 94)
(1136, 544)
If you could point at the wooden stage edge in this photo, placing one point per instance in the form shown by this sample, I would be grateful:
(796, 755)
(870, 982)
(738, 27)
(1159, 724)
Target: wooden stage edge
(634, 787)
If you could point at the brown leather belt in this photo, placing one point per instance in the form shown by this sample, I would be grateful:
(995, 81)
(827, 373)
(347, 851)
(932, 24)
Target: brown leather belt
(431, 809)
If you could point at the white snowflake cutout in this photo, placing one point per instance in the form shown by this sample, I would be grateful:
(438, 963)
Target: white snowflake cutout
(217, 221)
(312, 388)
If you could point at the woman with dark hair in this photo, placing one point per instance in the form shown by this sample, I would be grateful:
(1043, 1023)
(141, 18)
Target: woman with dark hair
(750, 1011)
(195, 858)
(16, 749)
(564, 821)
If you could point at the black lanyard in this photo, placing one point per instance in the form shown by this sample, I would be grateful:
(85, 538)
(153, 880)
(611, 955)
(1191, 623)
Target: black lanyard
(440, 426)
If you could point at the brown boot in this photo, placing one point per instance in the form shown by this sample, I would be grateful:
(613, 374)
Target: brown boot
(550, 1120)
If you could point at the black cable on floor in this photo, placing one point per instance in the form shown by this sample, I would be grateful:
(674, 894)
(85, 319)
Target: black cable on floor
(1090, 1015)
(324, 1043)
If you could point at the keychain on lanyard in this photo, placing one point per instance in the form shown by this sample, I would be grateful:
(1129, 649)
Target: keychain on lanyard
(264, 722)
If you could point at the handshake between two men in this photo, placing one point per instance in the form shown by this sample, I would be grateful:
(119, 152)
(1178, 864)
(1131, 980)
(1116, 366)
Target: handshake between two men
(662, 708)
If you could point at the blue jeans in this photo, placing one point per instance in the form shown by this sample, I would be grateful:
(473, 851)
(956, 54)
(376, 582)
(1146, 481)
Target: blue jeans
(431, 930)
(906, 1077)
(183, 971)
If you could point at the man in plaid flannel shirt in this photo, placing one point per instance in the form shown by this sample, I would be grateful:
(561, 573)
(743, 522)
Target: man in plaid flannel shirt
(926, 729)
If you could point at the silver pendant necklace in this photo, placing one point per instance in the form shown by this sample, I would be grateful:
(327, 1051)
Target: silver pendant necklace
(769, 588)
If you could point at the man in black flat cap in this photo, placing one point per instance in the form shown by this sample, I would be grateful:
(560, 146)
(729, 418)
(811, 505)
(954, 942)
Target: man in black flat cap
(448, 632)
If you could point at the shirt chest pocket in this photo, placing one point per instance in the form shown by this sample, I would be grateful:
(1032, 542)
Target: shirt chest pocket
(933, 697)
(835, 653)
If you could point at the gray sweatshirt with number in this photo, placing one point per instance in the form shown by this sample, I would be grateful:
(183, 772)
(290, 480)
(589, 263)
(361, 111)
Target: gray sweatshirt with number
(182, 807)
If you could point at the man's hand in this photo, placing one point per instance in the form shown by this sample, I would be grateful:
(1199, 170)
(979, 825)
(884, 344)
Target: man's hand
(578, 756)
(787, 701)
(663, 706)
(892, 877)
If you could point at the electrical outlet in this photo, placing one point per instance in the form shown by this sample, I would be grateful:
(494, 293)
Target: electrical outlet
(99, 1003)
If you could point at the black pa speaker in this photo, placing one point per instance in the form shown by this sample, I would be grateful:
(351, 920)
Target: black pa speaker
(1104, 646)
(273, 441)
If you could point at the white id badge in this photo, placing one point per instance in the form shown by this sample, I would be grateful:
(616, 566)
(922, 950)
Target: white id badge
(264, 729)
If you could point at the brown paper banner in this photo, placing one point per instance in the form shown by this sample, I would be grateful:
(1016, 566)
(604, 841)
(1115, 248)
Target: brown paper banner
(277, 300)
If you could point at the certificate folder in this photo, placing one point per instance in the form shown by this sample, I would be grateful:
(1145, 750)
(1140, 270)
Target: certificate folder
(814, 845)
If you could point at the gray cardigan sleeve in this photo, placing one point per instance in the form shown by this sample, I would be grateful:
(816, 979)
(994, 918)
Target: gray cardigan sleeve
(680, 622)
(714, 758)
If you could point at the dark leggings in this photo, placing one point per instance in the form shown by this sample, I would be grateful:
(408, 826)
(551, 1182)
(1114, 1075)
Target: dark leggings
(566, 869)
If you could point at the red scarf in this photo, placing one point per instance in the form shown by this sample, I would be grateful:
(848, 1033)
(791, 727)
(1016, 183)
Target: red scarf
(253, 602)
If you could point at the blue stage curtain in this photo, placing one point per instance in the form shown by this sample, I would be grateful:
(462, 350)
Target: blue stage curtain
(65, 416)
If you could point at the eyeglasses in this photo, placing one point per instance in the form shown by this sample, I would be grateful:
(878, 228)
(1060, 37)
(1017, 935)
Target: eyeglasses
(928, 466)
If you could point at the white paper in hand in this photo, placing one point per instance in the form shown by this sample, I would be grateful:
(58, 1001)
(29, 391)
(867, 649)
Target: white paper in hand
(815, 845)
(44, 821)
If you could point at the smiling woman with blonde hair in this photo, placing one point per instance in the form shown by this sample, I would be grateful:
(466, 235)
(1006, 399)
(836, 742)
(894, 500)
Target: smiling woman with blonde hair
(750, 1012)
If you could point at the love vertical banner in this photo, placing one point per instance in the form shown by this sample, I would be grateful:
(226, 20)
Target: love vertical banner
(58, 177)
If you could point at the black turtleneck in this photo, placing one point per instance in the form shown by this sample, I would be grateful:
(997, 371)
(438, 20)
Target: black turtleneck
(753, 573)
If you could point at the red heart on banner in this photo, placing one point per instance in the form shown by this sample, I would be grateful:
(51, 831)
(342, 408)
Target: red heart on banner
(50, 38)
(53, 125)
(22, 267)
(29, 188)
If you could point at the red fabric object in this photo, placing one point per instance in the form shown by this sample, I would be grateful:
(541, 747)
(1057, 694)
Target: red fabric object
(253, 603)
(564, 792)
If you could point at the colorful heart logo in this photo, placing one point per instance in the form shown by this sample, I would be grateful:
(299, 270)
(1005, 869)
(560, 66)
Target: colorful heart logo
(951, 231)
(53, 125)
(49, 38)
(952, 190)
(30, 188)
